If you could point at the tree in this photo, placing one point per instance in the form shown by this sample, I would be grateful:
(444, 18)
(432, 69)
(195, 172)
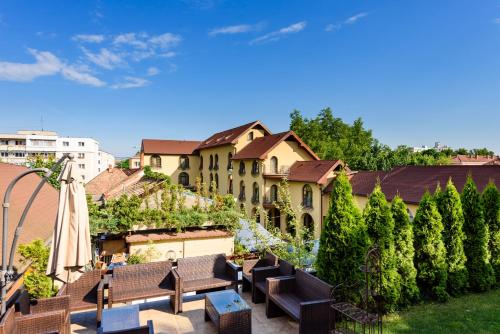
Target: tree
(481, 276)
(380, 226)
(450, 209)
(404, 251)
(491, 205)
(39, 161)
(430, 253)
(344, 239)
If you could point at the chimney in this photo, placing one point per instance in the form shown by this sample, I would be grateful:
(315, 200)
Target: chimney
(110, 169)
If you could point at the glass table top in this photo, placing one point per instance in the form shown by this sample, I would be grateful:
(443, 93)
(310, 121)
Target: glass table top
(120, 318)
(227, 301)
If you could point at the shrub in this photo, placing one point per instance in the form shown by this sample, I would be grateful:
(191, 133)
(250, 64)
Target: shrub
(481, 276)
(450, 209)
(344, 239)
(380, 226)
(136, 259)
(491, 205)
(430, 253)
(404, 251)
(39, 285)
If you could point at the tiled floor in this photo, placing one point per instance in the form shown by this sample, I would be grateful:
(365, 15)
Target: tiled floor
(191, 320)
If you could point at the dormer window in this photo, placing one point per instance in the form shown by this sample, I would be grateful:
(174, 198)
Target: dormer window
(250, 136)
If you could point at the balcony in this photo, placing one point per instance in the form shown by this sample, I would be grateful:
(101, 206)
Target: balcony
(268, 202)
(282, 171)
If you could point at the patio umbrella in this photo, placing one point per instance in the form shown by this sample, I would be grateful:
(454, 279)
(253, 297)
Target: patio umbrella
(70, 251)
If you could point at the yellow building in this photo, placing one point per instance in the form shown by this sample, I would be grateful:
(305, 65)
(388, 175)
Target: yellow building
(249, 162)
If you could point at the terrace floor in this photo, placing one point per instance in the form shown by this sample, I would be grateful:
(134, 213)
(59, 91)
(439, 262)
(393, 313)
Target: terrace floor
(191, 320)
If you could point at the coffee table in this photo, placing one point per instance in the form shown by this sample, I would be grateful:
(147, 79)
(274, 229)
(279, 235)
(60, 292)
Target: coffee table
(120, 318)
(229, 312)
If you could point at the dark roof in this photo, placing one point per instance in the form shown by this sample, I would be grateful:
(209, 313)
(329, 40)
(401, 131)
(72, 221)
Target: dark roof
(411, 182)
(174, 147)
(107, 180)
(259, 147)
(312, 171)
(230, 136)
(39, 223)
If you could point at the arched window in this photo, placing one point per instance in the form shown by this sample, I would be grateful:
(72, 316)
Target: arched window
(241, 196)
(201, 178)
(155, 161)
(274, 165)
(255, 193)
(308, 223)
(229, 161)
(216, 181)
(216, 163)
(201, 162)
(242, 168)
(274, 218)
(230, 187)
(211, 165)
(256, 215)
(255, 167)
(307, 196)
(211, 181)
(290, 228)
(184, 162)
(250, 136)
(274, 193)
(184, 179)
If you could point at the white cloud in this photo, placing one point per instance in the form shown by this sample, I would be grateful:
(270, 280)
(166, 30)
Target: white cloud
(132, 39)
(355, 18)
(169, 54)
(350, 20)
(131, 82)
(166, 40)
(332, 27)
(497, 20)
(91, 38)
(278, 34)
(236, 29)
(105, 58)
(46, 64)
(152, 71)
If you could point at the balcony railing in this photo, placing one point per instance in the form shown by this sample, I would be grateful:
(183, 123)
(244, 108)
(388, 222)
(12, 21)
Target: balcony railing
(282, 170)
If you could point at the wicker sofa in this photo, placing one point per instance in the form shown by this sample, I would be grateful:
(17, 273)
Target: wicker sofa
(259, 276)
(248, 265)
(205, 273)
(303, 297)
(145, 280)
(8, 322)
(85, 293)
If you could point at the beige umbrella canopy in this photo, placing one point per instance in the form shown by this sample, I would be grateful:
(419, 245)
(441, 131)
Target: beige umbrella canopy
(70, 251)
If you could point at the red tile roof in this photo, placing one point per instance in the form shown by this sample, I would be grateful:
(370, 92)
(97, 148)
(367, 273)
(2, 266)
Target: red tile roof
(107, 180)
(174, 147)
(39, 223)
(313, 171)
(411, 182)
(231, 136)
(259, 147)
(479, 159)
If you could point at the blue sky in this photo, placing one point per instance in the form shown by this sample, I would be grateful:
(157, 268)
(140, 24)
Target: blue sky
(415, 71)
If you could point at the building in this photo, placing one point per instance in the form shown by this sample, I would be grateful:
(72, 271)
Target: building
(475, 160)
(249, 162)
(18, 148)
(134, 162)
(411, 182)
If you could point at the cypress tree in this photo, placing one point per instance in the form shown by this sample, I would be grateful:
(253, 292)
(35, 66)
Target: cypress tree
(481, 276)
(403, 243)
(491, 205)
(430, 253)
(380, 226)
(450, 208)
(343, 241)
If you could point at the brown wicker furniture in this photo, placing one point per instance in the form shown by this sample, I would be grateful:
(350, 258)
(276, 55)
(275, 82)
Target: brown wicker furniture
(8, 322)
(145, 280)
(229, 312)
(259, 276)
(205, 273)
(303, 297)
(86, 293)
(248, 266)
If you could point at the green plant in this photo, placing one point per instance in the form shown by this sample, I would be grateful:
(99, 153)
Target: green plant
(40, 161)
(380, 226)
(136, 259)
(481, 275)
(344, 239)
(39, 285)
(450, 208)
(404, 251)
(430, 253)
(148, 172)
(491, 205)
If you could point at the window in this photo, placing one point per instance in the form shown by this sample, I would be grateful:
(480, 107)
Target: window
(274, 165)
(98, 161)
(81, 143)
(308, 224)
(201, 179)
(4, 142)
(83, 177)
(82, 156)
(242, 168)
(307, 196)
(250, 136)
(201, 162)
(216, 163)
(274, 193)
(19, 154)
(4, 154)
(184, 162)
(255, 193)
(66, 143)
(216, 182)
(211, 165)
(210, 188)
(81, 166)
(275, 218)
(241, 196)
(255, 167)
(229, 161)
(230, 187)
(99, 170)
(155, 161)
(184, 179)
(19, 142)
(137, 164)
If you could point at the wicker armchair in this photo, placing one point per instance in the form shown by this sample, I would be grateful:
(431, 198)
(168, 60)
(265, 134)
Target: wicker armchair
(45, 315)
(86, 293)
(205, 273)
(8, 322)
(148, 329)
(260, 275)
(141, 281)
(248, 266)
(303, 297)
